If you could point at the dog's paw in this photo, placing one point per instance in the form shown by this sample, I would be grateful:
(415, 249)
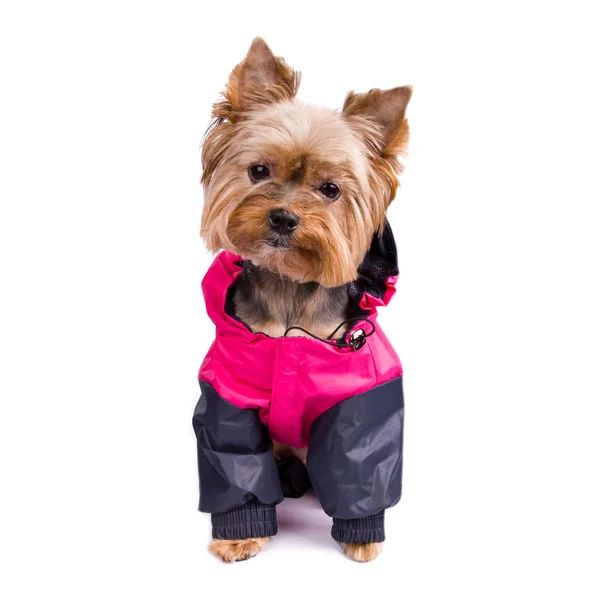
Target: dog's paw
(237, 550)
(362, 552)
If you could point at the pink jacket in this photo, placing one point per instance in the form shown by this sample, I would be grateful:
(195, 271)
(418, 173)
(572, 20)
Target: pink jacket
(343, 399)
(292, 380)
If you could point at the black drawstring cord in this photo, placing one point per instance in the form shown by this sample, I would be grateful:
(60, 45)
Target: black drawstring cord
(328, 338)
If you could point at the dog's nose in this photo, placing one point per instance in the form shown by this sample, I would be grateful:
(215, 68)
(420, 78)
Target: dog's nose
(282, 221)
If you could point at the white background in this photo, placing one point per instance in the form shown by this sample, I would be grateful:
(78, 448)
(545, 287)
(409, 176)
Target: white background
(103, 106)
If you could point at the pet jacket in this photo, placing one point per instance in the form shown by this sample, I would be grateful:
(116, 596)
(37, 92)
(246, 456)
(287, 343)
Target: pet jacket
(340, 398)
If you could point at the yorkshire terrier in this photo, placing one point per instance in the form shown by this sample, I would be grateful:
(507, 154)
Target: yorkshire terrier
(299, 194)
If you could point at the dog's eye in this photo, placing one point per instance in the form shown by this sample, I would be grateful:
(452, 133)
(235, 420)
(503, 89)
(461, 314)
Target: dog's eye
(330, 190)
(258, 172)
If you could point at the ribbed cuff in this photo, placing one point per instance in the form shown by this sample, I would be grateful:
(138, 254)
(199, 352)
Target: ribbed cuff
(359, 531)
(250, 520)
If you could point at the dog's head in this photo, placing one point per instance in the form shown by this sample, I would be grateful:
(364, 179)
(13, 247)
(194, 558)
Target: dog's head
(298, 189)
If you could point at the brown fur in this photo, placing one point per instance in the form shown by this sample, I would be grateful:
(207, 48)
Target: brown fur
(300, 282)
(362, 552)
(238, 550)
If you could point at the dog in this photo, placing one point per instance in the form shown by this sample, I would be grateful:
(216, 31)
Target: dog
(295, 202)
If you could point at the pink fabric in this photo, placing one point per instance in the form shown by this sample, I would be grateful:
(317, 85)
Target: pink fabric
(291, 380)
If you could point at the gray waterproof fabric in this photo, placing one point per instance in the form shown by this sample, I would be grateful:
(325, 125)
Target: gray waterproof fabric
(354, 463)
(355, 453)
(235, 455)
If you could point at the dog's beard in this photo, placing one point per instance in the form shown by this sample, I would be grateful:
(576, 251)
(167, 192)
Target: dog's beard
(324, 249)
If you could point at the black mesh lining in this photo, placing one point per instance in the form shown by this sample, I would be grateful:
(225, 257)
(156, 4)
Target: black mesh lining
(229, 306)
(380, 262)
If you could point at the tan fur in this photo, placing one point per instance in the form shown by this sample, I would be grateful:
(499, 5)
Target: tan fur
(238, 550)
(387, 109)
(362, 552)
(261, 78)
(283, 450)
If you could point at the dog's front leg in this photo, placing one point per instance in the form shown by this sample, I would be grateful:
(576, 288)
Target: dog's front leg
(239, 484)
(355, 464)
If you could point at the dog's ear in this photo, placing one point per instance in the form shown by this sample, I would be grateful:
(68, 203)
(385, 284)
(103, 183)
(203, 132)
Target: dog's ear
(261, 78)
(385, 108)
